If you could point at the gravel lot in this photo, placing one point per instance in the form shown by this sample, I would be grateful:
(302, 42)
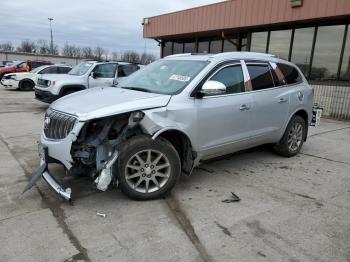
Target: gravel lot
(295, 209)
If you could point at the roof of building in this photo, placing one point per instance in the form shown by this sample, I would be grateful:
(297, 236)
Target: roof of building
(239, 14)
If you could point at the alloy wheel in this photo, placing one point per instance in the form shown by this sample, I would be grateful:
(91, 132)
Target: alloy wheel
(147, 171)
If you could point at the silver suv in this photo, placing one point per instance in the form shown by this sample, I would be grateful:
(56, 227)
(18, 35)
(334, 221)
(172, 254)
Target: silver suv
(166, 118)
(85, 75)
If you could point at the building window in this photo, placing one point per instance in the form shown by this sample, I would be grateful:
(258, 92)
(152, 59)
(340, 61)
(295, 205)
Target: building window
(167, 49)
(302, 45)
(229, 47)
(215, 46)
(327, 53)
(258, 42)
(203, 47)
(178, 48)
(345, 65)
(280, 43)
(190, 47)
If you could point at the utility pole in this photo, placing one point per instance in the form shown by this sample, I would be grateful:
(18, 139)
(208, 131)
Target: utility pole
(51, 43)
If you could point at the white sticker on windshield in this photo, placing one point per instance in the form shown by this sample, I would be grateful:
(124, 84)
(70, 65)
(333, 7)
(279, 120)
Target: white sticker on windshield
(180, 78)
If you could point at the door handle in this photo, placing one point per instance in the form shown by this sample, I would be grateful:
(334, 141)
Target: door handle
(282, 100)
(244, 107)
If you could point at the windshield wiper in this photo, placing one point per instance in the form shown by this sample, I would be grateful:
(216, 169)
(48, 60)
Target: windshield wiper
(138, 89)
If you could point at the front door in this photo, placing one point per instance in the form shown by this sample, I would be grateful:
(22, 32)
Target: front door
(103, 75)
(224, 121)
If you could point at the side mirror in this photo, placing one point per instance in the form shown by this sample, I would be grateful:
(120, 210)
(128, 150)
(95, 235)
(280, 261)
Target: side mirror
(93, 75)
(212, 87)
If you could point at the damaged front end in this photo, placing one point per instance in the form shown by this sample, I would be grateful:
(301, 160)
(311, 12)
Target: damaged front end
(84, 148)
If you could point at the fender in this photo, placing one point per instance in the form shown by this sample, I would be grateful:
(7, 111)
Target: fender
(71, 87)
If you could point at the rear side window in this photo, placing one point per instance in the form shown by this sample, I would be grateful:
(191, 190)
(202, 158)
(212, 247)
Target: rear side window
(290, 73)
(125, 70)
(260, 76)
(63, 70)
(232, 78)
(49, 70)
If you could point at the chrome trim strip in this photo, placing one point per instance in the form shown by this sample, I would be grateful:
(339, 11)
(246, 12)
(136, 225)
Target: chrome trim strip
(65, 193)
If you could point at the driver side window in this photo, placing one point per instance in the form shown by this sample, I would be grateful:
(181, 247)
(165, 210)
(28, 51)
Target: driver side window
(231, 77)
(105, 70)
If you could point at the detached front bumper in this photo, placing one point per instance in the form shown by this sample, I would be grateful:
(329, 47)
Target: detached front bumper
(65, 193)
(44, 172)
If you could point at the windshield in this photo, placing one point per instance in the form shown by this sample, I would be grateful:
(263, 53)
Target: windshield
(164, 76)
(80, 69)
(35, 70)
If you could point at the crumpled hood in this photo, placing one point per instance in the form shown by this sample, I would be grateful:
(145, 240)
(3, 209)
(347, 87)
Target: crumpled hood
(106, 101)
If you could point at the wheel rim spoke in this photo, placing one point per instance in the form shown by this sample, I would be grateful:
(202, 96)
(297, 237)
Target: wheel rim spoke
(139, 159)
(134, 167)
(138, 174)
(147, 185)
(160, 167)
(157, 159)
(149, 156)
(155, 181)
(138, 182)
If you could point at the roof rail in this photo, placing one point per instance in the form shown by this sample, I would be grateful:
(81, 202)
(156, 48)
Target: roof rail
(179, 55)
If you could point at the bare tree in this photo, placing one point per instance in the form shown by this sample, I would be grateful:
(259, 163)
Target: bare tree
(147, 58)
(6, 46)
(42, 47)
(131, 57)
(27, 46)
(98, 52)
(71, 50)
(87, 52)
(114, 56)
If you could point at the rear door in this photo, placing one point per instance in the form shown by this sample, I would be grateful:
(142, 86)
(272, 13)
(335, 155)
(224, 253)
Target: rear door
(224, 121)
(104, 75)
(126, 70)
(271, 102)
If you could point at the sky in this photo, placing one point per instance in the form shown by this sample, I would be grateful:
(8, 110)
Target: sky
(113, 25)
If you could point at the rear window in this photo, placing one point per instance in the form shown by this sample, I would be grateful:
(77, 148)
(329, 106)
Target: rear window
(290, 73)
(260, 76)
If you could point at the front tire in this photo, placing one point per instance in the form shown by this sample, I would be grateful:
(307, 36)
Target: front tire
(26, 85)
(293, 137)
(146, 168)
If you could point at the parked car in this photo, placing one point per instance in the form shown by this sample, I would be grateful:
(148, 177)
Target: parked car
(165, 119)
(27, 81)
(22, 67)
(85, 75)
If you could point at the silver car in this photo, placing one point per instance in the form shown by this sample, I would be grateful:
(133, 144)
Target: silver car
(166, 118)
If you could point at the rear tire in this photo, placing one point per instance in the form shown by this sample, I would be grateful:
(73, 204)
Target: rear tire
(26, 85)
(146, 168)
(293, 137)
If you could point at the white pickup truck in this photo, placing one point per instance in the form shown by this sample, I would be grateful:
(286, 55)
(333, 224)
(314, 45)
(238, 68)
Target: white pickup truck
(85, 75)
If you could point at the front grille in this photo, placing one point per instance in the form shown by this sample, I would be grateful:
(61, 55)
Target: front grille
(58, 125)
(43, 82)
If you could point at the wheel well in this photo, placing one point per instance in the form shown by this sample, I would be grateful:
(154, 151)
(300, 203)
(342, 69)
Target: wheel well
(65, 89)
(183, 146)
(26, 80)
(303, 114)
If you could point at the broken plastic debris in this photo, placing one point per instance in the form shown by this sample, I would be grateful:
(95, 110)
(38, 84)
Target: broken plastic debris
(234, 198)
(101, 214)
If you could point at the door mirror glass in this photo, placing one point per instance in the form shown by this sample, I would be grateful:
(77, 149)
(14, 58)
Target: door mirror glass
(212, 87)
